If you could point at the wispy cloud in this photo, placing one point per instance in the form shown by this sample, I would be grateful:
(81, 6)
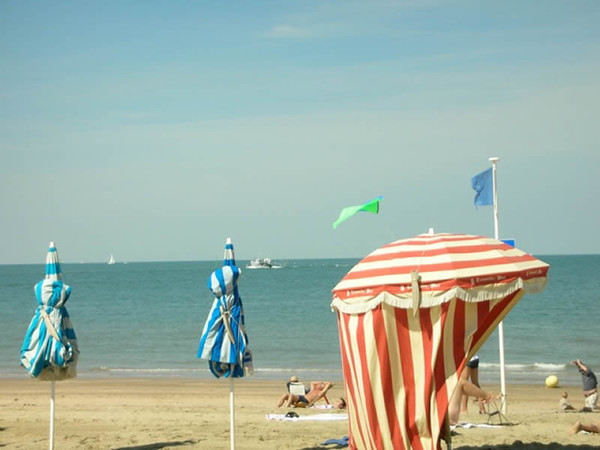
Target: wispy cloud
(288, 32)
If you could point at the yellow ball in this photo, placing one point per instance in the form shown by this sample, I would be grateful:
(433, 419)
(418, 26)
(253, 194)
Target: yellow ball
(552, 381)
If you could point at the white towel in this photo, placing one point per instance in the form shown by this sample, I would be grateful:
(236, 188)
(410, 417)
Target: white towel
(467, 425)
(308, 417)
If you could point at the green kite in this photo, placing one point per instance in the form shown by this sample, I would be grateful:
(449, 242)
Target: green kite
(371, 206)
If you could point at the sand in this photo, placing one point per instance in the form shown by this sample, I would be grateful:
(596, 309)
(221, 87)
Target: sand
(174, 413)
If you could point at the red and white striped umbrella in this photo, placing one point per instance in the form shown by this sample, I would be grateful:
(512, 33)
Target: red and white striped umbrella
(410, 315)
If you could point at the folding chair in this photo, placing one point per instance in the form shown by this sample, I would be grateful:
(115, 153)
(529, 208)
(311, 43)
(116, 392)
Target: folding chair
(494, 412)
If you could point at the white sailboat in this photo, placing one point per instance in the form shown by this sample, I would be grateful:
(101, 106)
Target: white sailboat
(111, 260)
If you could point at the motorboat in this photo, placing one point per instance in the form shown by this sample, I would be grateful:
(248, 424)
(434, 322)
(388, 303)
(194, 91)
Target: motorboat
(260, 263)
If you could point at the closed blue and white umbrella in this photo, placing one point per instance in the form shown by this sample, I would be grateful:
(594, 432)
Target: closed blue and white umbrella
(224, 342)
(49, 350)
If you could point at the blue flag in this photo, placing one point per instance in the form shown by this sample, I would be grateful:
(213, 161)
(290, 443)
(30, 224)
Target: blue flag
(484, 186)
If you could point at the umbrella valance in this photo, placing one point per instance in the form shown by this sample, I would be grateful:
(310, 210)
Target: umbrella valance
(445, 266)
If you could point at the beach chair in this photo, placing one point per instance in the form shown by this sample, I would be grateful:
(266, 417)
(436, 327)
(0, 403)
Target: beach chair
(300, 389)
(322, 395)
(494, 412)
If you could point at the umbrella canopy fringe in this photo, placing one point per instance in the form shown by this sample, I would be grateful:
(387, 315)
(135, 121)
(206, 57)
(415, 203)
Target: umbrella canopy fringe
(363, 304)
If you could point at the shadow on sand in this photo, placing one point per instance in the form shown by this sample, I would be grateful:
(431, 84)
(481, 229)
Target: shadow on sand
(516, 445)
(520, 445)
(157, 445)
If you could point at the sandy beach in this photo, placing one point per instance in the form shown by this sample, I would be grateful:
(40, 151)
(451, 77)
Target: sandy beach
(190, 414)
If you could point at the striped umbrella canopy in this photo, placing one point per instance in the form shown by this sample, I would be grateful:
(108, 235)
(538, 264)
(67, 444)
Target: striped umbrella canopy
(224, 342)
(49, 350)
(410, 315)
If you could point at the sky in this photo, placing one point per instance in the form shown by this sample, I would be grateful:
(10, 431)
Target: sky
(154, 130)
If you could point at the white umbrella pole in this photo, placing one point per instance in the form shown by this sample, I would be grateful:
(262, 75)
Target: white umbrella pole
(231, 414)
(51, 415)
(494, 160)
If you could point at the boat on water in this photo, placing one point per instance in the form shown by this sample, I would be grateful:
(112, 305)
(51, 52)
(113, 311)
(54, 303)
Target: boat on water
(260, 263)
(111, 260)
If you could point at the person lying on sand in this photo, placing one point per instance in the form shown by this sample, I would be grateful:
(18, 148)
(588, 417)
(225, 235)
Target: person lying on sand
(340, 403)
(589, 427)
(317, 390)
(465, 387)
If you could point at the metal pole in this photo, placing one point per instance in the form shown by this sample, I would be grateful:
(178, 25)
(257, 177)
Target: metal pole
(51, 447)
(494, 160)
(231, 414)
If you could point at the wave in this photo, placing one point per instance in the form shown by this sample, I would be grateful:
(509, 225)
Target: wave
(519, 367)
(295, 370)
(143, 370)
(268, 373)
(203, 370)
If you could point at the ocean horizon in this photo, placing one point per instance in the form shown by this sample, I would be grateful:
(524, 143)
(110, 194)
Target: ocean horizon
(144, 319)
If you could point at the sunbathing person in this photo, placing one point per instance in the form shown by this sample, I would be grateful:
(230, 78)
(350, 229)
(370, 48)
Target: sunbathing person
(317, 390)
(340, 403)
(589, 427)
(467, 388)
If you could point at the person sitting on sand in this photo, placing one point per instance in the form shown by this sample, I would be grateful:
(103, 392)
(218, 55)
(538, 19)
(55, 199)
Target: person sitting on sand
(589, 427)
(317, 390)
(465, 387)
(563, 403)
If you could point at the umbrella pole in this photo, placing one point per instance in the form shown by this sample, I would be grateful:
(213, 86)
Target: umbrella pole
(231, 414)
(51, 415)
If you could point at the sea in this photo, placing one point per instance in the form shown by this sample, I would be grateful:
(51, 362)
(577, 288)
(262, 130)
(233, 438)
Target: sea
(144, 319)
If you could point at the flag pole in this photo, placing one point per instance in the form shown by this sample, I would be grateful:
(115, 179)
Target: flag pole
(494, 160)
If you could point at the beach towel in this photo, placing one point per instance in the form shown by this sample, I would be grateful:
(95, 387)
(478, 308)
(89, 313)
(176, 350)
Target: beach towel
(467, 425)
(322, 407)
(325, 417)
(343, 442)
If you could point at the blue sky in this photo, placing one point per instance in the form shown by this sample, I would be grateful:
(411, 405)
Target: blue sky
(154, 130)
